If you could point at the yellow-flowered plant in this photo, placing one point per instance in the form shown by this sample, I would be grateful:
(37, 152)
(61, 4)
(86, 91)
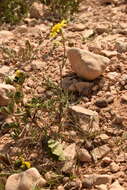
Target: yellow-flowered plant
(57, 28)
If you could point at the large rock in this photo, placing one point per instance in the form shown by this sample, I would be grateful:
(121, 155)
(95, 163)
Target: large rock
(27, 180)
(86, 119)
(5, 91)
(87, 64)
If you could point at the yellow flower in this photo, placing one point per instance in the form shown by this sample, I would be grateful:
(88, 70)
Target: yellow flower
(57, 28)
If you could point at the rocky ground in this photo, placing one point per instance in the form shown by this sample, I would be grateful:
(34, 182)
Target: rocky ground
(92, 125)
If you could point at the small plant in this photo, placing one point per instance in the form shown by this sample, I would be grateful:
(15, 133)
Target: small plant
(62, 9)
(12, 11)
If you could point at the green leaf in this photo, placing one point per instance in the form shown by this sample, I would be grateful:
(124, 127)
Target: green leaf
(56, 149)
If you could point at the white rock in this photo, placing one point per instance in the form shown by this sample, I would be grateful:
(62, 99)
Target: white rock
(86, 119)
(116, 186)
(25, 180)
(99, 152)
(36, 10)
(86, 64)
(83, 155)
(5, 90)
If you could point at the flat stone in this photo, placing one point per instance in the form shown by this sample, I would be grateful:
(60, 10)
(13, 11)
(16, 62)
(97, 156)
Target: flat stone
(100, 152)
(96, 179)
(109, 54)
(86, 119)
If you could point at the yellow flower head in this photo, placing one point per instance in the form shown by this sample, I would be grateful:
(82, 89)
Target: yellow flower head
(57, 28)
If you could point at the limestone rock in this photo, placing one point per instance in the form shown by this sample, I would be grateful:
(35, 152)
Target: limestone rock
(25, 180)
(99, 152)
(36, 10)
(87, 64)
(86, 119)
(5, 90)
(84, 156)
(116, 186)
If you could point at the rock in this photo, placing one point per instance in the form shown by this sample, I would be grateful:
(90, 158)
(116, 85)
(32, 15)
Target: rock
(30, 21)
(102, 137)
(86, 64)
(102, 187)
(75, 85)
(84, 156)
(86, 119)
(36, 10)
(25, 180)
(22, 29)
(77, 27)
(41, 28)
(113, 75)
(96, 179)
(124, 98)
(4, 71)
(106, 161)
(88, 33)
(68, 166)
(50, 176)
(114, 167)
(101, 28)
(100, 152)
(83, 88)
(5, 90)
(121, 46)
(5, 36)
(116, 186)
(101, 103)
(60, 187)
(109, 54)
(38, 65)
(70, 152)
